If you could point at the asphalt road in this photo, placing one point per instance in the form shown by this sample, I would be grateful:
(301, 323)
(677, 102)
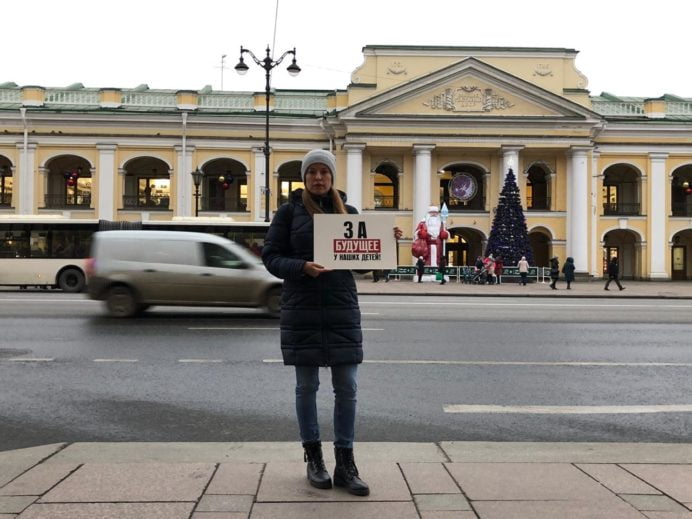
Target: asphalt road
(438, 368)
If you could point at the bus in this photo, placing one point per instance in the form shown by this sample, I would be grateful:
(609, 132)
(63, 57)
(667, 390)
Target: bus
(47, 252)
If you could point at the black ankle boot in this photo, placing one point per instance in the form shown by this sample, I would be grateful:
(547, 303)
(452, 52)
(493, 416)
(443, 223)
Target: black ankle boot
(346, 473)
(317, 472)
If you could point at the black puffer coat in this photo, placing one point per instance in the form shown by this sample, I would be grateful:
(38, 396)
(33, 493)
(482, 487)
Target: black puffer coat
(320, 317)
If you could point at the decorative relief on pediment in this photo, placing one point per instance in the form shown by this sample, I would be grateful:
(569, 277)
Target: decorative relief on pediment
(397, 68)
(468, 99)
(543, 70)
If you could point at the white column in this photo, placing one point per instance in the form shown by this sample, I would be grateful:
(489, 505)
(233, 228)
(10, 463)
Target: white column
(258, 185)
(657, 243)
(354, 174)
(25, 179)
(578, 208)
(183, 191)
(593, 211)
(422, 171)
(106, 181)
(510, 157)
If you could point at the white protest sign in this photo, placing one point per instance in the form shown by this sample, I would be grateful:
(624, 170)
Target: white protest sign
(355, 241)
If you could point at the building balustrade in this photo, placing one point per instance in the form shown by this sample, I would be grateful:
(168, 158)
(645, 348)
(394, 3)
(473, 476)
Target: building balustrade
(67, 201)
(538, 203)
(385, 202)
(149, 202)
(681, 209)
(620, 209)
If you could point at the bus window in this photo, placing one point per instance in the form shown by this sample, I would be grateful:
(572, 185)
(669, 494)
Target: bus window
(15, 244)
(39, 243)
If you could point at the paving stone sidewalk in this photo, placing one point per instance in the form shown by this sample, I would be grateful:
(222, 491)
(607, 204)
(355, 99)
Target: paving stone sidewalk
(442, 480)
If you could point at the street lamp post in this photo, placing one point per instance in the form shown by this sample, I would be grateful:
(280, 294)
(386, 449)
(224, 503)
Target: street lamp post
(197, 179)
(268, 65)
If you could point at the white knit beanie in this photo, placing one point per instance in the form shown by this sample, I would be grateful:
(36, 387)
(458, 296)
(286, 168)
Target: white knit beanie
(318, 156)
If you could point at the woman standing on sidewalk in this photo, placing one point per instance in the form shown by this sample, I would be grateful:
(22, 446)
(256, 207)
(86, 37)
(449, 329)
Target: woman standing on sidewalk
(523, 269)
(568, 271)
(320, 320)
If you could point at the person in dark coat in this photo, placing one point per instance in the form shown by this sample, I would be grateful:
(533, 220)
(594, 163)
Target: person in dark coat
(320, 320)
(568, 271)
(420, 268)
(554, 272)
(613, 273)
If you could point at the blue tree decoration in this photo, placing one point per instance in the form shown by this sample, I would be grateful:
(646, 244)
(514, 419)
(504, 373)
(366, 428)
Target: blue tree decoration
(509, 236)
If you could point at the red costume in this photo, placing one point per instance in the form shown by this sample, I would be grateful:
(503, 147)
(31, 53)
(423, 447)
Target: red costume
(428, 238)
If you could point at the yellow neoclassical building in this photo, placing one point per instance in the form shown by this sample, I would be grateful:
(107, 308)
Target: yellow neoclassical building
(417, 126)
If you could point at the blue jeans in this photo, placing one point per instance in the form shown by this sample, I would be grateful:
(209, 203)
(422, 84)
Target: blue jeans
(344, 384)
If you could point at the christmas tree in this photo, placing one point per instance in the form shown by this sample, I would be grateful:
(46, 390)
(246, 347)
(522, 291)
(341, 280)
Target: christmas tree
(509, 237)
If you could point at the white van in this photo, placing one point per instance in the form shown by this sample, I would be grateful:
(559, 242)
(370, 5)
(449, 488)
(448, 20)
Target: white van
(133, 270)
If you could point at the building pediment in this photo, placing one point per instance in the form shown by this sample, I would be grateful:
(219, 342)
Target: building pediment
(469, 88)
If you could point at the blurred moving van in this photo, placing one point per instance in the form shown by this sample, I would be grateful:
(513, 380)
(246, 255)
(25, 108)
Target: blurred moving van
(133, 270)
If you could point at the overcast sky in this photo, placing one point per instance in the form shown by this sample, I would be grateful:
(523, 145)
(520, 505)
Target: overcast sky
(628, 48)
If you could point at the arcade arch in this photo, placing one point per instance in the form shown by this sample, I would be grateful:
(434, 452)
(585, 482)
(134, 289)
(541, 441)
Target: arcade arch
(624, 244)
(681, 255)
(289, 180)
(476, 201)
(681, 191)
(68, 182)
(224, 186)
(147, 184)
(621, 190)
(464, 245)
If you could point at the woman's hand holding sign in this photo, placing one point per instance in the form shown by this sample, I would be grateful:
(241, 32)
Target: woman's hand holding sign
(398, 233)
(313, 269)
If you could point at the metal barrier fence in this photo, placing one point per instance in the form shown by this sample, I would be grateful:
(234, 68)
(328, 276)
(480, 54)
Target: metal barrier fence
(465, 274)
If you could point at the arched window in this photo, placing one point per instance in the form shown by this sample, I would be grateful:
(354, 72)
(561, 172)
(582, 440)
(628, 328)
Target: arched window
(620, 190)
(224, 186)
(147, 184)
(386, 188)
(5, 183)
(537, 196)
(461, 188)
(68, 183)
(681, 191)
(289, 180)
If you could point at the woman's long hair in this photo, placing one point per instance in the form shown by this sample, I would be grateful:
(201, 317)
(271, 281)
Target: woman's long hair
(313, 207)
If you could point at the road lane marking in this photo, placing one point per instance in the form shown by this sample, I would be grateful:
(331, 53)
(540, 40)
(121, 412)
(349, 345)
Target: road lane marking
(116, 360)
(559, 409)
(231, 328)
(522, 363)
(522, 304)
(30, 359)
(46, 300)
(200, 361)
(259, 328)
(370, 313)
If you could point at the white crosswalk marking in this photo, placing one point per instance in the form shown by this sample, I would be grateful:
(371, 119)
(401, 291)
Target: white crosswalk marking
(559, 409)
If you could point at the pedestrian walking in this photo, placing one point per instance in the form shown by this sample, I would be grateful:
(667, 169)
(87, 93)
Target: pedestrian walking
(320, 320)
(375, 276)
(523, 269)
(613, 273)
(499, 269)
(554, 271)
(568, 271)
(420, 268)
(441, 269)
